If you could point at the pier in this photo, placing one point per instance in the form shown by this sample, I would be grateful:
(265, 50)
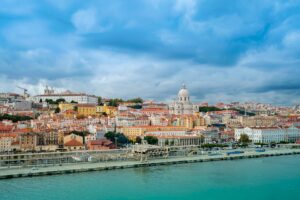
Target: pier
(66, 163)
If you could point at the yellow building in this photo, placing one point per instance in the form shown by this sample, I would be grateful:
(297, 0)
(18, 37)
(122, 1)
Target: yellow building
(86, 109)
(133, 131)
(109, 110)
(100, 109)
(66, 106)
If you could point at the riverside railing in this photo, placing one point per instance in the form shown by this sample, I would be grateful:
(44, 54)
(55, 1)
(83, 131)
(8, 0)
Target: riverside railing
(137, 153)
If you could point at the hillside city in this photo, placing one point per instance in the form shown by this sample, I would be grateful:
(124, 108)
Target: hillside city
(70, 121)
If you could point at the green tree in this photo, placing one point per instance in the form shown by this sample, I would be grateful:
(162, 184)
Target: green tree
(136, 100)
(118, 138)
(136, 106)
(244, 139)
(151, 140)
(50, 101)
(75, 108)
(138, 140)
(14, 118)
(57, 110)
(100, 103)
(61, 100)
(83, 134)
(208, 109)
(115, 102)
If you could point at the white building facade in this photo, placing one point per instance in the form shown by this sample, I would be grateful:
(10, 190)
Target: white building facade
(80, 98)
(267, 135)
(183, 104)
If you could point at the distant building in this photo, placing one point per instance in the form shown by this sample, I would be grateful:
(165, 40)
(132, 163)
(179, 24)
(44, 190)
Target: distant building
(100, 144)
(258, 121)
(183, 104)
(14, 102)
(80, 98)
(86, 109)
(269, 134)
(73, 142)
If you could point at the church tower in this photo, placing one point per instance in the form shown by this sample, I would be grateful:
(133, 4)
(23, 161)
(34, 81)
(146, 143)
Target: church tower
(183, 95)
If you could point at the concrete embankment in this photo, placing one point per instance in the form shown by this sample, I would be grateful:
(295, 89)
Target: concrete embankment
(86, 167)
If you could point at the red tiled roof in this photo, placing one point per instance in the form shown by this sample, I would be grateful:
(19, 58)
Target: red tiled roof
(100, 142)
(15, 143)
(23, 130)
(6, 128)
(8, 135)
(73, 143)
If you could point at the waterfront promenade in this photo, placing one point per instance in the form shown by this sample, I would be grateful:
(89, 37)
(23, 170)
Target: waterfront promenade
(89, 166)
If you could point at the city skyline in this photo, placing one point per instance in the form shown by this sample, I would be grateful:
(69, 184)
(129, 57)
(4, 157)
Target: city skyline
(240, 52)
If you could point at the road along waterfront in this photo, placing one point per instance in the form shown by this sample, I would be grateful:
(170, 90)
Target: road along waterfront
(89, 165)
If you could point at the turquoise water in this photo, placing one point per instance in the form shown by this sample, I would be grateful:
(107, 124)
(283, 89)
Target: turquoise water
(255, 179)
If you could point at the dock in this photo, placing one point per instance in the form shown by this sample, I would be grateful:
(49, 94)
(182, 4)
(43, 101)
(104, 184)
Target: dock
(18, 172)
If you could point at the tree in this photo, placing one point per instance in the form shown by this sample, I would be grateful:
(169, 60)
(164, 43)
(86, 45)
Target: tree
(115, 102)
(73, 101)
(138, 140)
(208, 109)
(82, 134)
(151, 140)
(60, 100)
(50, 101)
(119, 138)
(136, 106)
(14, 118)
(136, 100)
(100, 103)
(75, 108)
(57, 110)
(244, 139)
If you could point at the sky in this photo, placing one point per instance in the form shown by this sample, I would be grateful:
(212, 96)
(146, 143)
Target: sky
(222, 50)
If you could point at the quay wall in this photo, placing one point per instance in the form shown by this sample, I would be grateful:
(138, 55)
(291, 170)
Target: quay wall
(87, 167)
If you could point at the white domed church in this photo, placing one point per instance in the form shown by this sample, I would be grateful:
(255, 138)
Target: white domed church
(183, 105)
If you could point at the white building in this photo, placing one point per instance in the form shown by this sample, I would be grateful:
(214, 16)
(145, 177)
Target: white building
(20, 105)
(167, 133)
(183, 105)
(267, 134)
(80, 98)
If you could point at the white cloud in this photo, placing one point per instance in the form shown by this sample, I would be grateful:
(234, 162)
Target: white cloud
(87, 21)
(127, 76)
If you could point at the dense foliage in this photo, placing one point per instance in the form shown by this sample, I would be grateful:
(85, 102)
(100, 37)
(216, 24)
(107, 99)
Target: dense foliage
(135, 100)
(213, 108)
(151, 139)
(116, 102)
(50, 101)
(136, 107)
(118, 138)
(14, 118)
(138, 140)
(244, 139)
(208, 109)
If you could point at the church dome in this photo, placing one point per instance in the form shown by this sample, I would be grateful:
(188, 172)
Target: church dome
(183, 92)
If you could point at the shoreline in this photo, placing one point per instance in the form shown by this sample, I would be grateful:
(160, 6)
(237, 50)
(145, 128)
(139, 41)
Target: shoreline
(88, 167)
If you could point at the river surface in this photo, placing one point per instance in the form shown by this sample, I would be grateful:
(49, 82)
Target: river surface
(256, 179)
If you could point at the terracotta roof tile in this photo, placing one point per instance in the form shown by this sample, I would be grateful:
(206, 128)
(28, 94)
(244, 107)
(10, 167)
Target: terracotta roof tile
(73, 143)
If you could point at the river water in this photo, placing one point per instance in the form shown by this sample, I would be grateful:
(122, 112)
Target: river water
(256, 179)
